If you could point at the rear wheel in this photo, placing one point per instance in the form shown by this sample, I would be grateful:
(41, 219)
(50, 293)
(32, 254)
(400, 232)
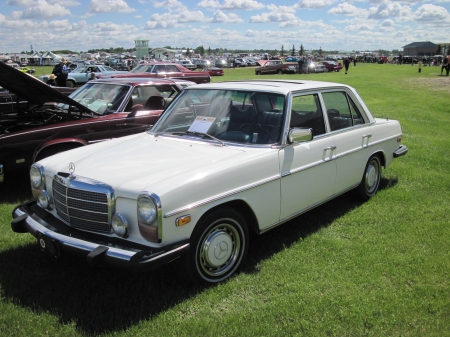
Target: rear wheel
(219, 245)
(280, 72)
(371, 179)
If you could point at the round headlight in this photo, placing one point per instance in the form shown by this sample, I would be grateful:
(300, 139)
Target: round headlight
(43, 199)
(120, 225)
(36, 176)
(146, 210)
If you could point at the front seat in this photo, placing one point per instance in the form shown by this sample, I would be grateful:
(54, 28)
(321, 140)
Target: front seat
(154, 103)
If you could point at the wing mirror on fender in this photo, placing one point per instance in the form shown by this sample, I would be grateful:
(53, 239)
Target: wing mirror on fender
(298, 135)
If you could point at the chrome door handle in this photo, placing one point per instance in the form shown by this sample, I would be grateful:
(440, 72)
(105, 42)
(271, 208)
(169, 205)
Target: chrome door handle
(369, 135)
(331, 148)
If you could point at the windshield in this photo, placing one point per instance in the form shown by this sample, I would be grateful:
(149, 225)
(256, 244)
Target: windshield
(102, 98)
(243, 117)
(143, 68)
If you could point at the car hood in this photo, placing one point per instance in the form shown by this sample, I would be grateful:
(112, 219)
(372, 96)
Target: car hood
(33, 90)
(134, 163)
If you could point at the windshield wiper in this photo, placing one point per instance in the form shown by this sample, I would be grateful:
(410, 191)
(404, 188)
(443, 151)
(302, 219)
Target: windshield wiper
(198, 134)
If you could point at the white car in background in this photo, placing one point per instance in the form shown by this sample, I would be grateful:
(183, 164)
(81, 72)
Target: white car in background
(224, 159)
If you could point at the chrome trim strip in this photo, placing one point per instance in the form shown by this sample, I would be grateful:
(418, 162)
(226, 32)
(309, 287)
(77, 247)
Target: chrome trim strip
(219, 196)
(2, 174)
(306, 209)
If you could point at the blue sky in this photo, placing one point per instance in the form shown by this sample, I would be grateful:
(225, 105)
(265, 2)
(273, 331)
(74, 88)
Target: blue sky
(79, 25)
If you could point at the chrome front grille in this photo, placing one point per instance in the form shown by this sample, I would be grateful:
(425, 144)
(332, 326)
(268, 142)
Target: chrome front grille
(84, 205)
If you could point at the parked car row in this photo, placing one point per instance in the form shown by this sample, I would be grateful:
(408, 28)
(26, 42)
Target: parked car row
(32, 128)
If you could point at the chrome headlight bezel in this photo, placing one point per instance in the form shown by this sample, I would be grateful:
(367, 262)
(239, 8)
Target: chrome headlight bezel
(146, 209)
(149, 216)
(37, 176)
(120, 225)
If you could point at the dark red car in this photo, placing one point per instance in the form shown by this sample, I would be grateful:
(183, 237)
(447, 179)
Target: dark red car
(331, 65)
(214, 71)
(53, 122)
(165, 70)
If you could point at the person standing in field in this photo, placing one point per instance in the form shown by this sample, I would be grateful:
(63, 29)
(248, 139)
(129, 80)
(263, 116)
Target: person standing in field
(61, 73)
(346, 64)
(444, 65)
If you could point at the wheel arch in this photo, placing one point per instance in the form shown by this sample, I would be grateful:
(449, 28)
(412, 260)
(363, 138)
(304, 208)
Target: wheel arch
(381, 155)
(243, 209)
(50, 148)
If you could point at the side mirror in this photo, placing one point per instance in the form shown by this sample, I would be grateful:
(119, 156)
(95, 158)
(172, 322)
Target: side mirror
(299, 135)
(135, 108)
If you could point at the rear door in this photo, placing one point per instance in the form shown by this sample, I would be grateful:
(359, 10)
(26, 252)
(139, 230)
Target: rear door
(351, 136)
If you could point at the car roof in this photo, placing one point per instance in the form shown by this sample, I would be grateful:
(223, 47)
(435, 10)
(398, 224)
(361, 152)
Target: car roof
(133, 81)
(274, 86)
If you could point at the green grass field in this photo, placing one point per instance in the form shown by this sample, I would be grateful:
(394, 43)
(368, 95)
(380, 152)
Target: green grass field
(347, 268)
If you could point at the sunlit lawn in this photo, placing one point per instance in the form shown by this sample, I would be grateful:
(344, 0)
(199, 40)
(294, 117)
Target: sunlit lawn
(380, 268)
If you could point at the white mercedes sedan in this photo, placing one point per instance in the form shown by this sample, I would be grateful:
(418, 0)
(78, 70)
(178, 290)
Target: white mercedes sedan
(224, 159)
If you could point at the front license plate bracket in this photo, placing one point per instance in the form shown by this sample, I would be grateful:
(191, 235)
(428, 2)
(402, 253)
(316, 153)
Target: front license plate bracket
(49, 246)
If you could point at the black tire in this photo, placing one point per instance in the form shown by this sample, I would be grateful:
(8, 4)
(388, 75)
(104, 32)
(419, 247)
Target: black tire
(70, 84)
(219, 245)
(371, 179)
(258, 73)
(280, 72)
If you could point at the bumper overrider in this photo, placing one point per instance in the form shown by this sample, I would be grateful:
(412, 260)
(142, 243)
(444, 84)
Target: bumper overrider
(56, 238)
(400, 151)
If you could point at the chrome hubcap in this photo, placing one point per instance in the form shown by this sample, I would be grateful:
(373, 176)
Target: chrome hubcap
(220, 249)
(372, 177)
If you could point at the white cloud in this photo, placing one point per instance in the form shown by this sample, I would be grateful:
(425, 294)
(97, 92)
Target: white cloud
(169, 4)
(208, 4)
(272, 17)
(39, 9)
(221, 17)
(241, 4)
(429, 13)
(390, 10)
(387, 23)
(346, 9)
(149, 25)
(313, 4)
(109, 6)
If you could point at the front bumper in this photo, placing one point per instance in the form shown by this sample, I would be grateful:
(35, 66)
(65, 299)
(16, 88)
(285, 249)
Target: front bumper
(56, 238)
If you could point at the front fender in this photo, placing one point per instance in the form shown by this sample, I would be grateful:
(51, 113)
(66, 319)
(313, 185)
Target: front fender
(59, 145)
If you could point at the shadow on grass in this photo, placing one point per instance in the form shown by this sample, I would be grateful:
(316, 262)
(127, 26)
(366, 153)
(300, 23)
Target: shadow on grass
(16, 188)
(108, 300)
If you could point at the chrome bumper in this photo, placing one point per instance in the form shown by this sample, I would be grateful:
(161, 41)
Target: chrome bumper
(124, 254)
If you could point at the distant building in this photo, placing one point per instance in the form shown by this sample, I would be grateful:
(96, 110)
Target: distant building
(162, 53)
(445, 48)
(141, 46)
(425, 48)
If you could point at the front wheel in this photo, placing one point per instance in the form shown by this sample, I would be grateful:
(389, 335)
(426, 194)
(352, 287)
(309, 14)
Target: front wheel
(219, 245)
(280, 72)
(70, 84)
(371, 179)
(258, 73)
